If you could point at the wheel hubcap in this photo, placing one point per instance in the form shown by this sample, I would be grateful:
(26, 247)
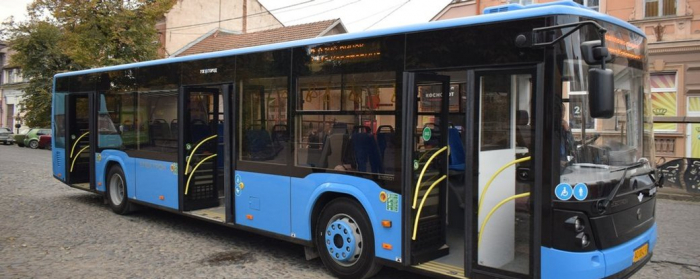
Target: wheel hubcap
(343, 240)
(116, 189)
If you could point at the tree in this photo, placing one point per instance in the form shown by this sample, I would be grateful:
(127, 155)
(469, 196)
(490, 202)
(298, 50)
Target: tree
(38, 53)
(67, 35)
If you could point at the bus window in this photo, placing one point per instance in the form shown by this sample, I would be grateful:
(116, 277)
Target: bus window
(262, 88)
(338, 122)
(264, 120)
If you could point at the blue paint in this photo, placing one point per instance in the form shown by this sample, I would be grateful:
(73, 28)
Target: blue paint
(563, 191)
(267, 198)
(580, 191)
(530, 11)
(59, 168)
(146, 180)
(306, 191)
(155, 179)
(594, 264)
(348, 242)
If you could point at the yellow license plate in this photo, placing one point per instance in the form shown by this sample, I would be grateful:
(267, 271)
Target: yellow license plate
(640, 252)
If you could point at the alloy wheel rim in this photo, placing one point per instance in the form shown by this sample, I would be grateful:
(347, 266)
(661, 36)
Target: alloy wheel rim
(116, 189)
(343, 240)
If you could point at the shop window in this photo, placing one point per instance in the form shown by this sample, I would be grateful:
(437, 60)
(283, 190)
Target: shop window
(657, 8)
(664, 99)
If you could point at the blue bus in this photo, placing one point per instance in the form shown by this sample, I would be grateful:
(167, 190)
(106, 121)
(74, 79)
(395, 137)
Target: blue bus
(513, 144)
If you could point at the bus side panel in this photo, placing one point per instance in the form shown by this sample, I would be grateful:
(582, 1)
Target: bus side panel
(156, 182)
(262, 201)
(105, 158)
(306, 191)
(595, 264)
(59, 162)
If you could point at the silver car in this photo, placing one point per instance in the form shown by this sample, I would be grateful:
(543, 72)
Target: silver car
(6, 136)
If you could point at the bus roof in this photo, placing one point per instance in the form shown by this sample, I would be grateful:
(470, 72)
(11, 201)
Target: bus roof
(512, 12)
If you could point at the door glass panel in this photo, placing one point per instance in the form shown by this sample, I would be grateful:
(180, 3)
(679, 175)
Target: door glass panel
(430, 167)
(203, 149)
(505, 141)
(79, 144)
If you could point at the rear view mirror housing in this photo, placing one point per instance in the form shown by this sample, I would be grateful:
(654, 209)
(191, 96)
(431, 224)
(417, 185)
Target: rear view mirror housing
(601, 81)
(601, 101)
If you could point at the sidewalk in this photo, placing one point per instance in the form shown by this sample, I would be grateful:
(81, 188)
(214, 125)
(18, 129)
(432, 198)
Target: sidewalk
(677, 194)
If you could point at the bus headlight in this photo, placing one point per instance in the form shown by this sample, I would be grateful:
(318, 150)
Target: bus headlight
(576, 223)
(583, 240)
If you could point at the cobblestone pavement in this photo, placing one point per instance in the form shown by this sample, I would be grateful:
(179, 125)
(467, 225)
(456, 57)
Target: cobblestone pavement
(50, 230)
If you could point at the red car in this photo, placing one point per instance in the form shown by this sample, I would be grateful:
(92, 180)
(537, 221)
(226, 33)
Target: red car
(45, 142)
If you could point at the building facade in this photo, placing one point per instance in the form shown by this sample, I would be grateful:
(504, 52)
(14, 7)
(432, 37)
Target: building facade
(11, 84)
(190, 20)
(673, 31)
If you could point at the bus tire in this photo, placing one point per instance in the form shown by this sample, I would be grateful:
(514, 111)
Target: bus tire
(116, 191)
(345, 240)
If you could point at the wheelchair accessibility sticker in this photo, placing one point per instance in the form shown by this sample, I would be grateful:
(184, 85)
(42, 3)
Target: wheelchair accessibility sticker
(239, 185)
(563, 191)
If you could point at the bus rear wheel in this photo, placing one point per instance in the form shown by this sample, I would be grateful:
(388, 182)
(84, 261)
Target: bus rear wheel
(345, 240)
(116, 191)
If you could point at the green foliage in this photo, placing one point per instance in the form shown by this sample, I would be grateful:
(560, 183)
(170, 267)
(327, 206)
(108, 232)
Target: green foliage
(67, 35)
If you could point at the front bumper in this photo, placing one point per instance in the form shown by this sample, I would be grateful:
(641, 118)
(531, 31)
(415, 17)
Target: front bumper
(612, 262)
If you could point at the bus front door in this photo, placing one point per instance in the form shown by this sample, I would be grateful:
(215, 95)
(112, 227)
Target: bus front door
(502, 114)
(426, 122)
(79, 140)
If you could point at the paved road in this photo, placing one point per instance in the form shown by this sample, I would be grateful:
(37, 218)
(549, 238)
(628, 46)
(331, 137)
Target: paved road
(50, 230)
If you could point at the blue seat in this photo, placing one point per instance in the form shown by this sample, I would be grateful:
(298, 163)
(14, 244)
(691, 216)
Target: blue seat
(199, 130)
(260, 146)
(366, 150)
(457, 154)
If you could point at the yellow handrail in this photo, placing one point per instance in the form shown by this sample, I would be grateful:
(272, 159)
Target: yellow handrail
(76, 142)
(488, 184)
(483, 225)
(187, 186)
(420, 177)
(422, 201)
(187, 166)
(76, 157)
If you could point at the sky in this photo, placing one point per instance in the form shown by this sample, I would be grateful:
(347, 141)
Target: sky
(357, 15)
(16, 8)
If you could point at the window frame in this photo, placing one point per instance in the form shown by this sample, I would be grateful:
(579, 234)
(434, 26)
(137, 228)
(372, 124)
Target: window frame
(666, 90)
(660, 7)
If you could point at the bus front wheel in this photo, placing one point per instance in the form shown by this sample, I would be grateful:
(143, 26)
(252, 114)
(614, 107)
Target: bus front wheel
(116, 191)
(345, 240)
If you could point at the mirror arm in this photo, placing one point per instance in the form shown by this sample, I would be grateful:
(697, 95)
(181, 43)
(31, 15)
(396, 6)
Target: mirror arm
(601, 34)
(576, 26)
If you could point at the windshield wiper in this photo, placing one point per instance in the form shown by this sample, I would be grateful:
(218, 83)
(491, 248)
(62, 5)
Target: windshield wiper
(603, 204)
(632, 166)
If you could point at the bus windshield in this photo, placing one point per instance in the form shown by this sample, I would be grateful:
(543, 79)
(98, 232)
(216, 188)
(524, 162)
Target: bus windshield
(595, 149)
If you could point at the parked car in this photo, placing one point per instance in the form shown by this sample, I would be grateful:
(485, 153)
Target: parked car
(32, 138)
(45, 142)
(6, 136)
(19, 138)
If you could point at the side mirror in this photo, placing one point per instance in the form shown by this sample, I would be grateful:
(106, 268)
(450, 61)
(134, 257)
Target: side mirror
(601, 82)
(601, 95)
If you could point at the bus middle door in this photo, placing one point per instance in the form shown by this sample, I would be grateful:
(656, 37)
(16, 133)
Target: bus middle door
(426, 182)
